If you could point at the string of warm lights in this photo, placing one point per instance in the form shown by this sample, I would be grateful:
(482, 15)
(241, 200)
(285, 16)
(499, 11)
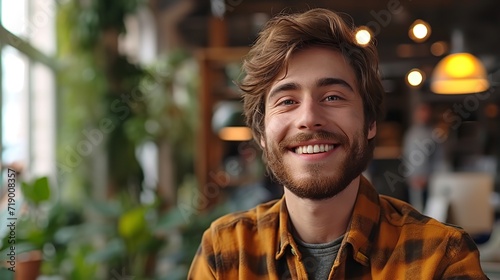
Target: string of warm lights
(457, 73)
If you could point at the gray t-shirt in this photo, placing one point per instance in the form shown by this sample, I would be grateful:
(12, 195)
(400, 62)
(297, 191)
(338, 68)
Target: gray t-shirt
(318, 258)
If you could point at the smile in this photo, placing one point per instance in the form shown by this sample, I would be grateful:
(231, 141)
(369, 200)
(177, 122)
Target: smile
(314, 149)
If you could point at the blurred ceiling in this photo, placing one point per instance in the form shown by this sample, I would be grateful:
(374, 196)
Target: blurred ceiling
(479, 22)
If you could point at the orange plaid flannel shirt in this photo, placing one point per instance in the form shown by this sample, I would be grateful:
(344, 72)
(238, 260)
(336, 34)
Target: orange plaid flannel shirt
(386, 239)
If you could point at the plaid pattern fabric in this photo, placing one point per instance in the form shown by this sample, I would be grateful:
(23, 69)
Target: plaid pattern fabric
(386, 239)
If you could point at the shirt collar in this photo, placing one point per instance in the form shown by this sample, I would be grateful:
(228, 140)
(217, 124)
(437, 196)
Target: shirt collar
(364, 221)
(284, 234)
(363, 224)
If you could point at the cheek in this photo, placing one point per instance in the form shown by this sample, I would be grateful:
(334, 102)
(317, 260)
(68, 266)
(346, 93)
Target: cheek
(275, 128)
(353, 123)
(272, 133)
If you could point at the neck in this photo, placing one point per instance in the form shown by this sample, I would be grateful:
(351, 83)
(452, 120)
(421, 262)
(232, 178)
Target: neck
(322, 221)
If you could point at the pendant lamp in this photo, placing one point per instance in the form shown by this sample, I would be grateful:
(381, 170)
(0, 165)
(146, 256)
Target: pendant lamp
(228, 122)
(459, 72)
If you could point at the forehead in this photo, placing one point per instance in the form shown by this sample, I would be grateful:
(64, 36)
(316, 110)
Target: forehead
(308, 65)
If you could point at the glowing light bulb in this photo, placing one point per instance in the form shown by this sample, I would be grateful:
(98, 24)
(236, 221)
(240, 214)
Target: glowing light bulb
(415, 77)
(419, 31)
(363, 36)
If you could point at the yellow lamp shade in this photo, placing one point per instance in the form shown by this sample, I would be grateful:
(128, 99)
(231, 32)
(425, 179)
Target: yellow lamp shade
(459, 73)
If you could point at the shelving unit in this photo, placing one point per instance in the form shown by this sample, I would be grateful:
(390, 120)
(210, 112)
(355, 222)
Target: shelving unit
(213, 88)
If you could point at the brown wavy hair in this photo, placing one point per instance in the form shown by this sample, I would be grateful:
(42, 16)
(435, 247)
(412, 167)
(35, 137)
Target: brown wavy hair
(285, 34)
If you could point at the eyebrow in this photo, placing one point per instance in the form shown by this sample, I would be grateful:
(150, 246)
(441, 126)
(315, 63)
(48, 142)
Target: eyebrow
(283, 87)
(323, 82)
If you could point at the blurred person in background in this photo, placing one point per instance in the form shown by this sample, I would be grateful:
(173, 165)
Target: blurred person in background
(422, 153)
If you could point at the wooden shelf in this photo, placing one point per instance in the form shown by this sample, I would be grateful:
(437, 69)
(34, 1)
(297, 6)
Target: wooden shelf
(213, 88)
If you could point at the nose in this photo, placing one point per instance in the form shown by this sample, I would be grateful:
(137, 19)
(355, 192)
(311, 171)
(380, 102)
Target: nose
(310, 116)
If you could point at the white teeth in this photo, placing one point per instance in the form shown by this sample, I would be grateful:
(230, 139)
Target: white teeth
(316, 148)
(310, 149)
(313, 149)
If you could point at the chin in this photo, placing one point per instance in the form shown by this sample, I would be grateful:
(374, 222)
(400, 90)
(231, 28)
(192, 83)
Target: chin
(317, 188)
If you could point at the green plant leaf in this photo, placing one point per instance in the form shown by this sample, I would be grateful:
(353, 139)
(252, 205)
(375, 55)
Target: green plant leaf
(27, 191)
(41, 189)
(38, 191)
(132, 223)
(113, 249)
(173, 219)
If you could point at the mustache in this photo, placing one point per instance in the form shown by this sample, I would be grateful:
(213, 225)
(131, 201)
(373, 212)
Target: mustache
(333, 136)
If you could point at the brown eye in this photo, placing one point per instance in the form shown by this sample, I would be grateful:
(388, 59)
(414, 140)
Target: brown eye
(332, 98)
(287, 102)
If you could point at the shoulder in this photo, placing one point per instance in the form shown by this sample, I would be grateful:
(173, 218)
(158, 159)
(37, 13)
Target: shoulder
(412, 242)
(401, 214)
(238, 245)
(263, 215)
(414, 230)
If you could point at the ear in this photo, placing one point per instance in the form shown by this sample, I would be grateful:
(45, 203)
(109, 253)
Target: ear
(372, 130)
(262, 142)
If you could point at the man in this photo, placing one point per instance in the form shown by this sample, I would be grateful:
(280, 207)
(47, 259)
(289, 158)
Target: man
(424, 158)
(312, 97)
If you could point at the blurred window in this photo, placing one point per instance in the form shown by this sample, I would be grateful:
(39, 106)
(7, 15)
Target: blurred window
(27, 104)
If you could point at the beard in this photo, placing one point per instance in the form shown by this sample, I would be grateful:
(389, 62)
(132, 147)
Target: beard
(321, 183)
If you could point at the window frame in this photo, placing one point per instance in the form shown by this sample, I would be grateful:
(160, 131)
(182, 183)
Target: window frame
(34, 56)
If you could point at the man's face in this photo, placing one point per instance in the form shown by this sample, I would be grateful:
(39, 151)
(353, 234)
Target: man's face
(315, 139)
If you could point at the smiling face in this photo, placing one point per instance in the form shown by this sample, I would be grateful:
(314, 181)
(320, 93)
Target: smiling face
(315, 139)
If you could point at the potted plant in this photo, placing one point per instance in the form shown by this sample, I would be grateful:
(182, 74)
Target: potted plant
(39, 219)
